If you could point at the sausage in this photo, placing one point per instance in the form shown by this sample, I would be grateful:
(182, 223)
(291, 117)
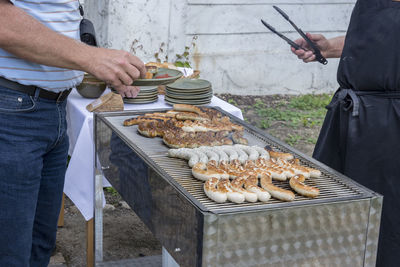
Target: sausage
(251, 184)
(190, 116)
(212, 192)
(297, 184)
(211, 154)
(187, 108)
(230, 152)
(297, 169)
(251, 152)
(276, 192)
(139, 119)
(233, 173)
(202, 173)
(202, 156)
(223, 157)
(242, 155)
(281, 155)
(225, 186)
(276, 173)
(185, 153)
(238, 138)
(237, 185)
(262, 152)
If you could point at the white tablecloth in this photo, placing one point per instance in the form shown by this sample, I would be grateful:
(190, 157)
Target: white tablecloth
(79, 183)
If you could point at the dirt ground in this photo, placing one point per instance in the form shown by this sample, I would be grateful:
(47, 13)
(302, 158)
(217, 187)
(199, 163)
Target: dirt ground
(125, 236)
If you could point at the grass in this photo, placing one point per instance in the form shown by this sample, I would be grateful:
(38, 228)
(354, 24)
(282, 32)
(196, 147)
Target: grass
(111, 191)
(298, 113)
(310, 102)
(304, 111)
(232, 102)
(293, 139)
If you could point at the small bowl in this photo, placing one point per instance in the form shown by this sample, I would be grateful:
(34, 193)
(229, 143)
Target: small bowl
(90, 89)
(90, 78)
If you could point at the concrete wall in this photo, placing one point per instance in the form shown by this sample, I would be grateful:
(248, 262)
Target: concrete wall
(233, 49)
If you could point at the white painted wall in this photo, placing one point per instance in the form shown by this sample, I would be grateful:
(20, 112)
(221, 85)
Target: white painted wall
(233, 49)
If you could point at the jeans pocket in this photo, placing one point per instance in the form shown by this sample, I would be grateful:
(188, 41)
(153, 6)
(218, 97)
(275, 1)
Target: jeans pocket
(12, 101)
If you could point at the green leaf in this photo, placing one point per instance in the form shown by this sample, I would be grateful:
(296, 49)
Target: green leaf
(179, 64)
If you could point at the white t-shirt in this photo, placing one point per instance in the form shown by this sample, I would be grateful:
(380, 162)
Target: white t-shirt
(61, 16)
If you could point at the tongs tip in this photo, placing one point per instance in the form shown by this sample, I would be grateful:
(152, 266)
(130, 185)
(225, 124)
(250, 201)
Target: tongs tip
(313, 46)
(281, 12)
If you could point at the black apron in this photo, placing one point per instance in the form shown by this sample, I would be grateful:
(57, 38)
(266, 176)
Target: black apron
(360, 136)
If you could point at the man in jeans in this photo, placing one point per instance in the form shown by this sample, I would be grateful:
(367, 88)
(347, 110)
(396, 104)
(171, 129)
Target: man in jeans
(40, 60)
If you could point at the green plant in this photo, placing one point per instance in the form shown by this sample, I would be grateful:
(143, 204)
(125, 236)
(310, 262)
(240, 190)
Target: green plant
(160, 52)
(310, 101)
(111, 191)
(259, 105)
(232, 102)
(264, 124)
(305, 110)
(183, 60)
(311, 140)
(293, 139)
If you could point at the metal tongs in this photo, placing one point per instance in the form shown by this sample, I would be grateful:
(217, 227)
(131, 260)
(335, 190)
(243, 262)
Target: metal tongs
(317, 52)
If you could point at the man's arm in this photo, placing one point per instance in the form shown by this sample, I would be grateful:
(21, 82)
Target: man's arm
(330, 48)
(27, 38)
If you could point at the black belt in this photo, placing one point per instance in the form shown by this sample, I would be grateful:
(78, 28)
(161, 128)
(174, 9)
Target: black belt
(30, 90)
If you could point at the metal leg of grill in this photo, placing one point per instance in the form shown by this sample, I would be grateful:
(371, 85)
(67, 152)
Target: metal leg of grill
(98, 218)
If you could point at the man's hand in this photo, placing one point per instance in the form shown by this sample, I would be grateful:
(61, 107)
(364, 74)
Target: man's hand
(308, 56)
(117, 68)
(331, 48)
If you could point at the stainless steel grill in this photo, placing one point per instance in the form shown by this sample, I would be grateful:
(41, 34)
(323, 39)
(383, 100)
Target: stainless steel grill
(172, 186)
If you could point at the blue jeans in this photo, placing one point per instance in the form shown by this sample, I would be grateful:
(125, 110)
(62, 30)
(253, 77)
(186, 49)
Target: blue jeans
(33, 161)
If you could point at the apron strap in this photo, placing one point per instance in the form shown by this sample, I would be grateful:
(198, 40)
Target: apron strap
(341, 96)
(352, 96)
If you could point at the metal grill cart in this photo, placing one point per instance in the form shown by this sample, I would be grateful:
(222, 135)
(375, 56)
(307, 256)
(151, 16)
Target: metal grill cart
(339, 228)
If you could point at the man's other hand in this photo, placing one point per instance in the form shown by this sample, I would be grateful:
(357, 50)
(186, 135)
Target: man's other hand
(118, 69)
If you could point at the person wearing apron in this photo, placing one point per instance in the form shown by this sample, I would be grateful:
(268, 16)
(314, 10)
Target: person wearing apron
(360, 136)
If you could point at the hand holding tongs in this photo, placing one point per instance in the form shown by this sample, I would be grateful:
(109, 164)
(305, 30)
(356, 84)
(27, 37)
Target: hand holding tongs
(317, 52)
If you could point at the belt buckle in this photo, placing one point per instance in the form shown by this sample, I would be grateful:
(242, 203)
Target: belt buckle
(63, 95)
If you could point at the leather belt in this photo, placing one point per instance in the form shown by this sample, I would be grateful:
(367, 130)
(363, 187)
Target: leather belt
(30, 90)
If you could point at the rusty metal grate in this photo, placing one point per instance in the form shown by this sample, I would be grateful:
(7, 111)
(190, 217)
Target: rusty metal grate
(333, 186)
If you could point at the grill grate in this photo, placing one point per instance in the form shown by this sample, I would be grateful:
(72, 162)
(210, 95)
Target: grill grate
(332, 187)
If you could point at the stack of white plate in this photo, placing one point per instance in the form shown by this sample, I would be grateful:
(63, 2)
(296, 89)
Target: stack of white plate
(147, 94)
(189, 91)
